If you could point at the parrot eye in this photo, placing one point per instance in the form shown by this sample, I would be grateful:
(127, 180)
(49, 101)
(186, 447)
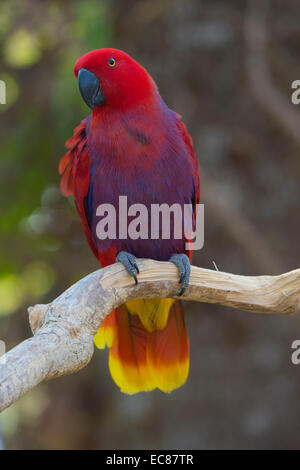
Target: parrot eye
(111, 62)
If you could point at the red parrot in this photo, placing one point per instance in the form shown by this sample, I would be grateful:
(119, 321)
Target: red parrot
(133, 145)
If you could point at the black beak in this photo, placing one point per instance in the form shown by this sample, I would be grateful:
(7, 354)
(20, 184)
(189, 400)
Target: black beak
(89, 86)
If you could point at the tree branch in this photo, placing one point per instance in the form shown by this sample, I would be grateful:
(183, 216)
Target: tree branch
(64, 329)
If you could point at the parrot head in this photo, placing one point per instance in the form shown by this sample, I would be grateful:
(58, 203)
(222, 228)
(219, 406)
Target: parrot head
(110, 77)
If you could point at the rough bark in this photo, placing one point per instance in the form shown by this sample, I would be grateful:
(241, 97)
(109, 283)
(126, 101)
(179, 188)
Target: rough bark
(64, 329)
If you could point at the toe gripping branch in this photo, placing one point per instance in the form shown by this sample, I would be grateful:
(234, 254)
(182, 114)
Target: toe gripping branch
(180, 260)
(129, 262)
(183, 265)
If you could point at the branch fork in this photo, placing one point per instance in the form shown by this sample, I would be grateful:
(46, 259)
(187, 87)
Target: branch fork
(64, 329)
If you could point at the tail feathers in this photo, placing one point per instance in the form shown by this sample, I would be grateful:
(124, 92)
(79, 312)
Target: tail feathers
(107, 333)
(128, 357)
(168, 352)
(142, 360)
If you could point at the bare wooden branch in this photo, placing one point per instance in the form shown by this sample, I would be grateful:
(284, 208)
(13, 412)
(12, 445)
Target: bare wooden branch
(64, 329)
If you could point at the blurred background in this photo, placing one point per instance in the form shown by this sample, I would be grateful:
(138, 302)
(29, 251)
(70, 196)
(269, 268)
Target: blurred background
(227, 67)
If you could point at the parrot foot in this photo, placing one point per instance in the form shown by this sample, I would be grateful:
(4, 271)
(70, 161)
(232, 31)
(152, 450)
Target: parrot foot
(183, 264)
(129, 263)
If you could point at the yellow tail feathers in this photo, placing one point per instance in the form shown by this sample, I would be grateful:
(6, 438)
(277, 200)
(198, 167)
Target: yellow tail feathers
(148, 350)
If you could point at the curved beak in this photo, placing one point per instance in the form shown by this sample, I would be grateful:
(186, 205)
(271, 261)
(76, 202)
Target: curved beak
(89, 87)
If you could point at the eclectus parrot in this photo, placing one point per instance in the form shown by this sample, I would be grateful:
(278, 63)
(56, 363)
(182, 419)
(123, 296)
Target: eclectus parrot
(133, 145)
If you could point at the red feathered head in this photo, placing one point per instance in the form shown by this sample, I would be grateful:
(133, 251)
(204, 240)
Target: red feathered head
(110, 77)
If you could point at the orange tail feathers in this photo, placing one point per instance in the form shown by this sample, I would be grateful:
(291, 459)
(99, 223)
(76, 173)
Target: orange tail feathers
(142, 360)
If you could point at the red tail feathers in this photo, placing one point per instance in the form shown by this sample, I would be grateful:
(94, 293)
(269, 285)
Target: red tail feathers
(140, 360)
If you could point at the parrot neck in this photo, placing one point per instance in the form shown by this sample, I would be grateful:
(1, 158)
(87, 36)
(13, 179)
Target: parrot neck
(125, 136)
(144, 93)
(151, 107)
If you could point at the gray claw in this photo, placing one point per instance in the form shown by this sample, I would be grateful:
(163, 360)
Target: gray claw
(183, 264)
(129, 262)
